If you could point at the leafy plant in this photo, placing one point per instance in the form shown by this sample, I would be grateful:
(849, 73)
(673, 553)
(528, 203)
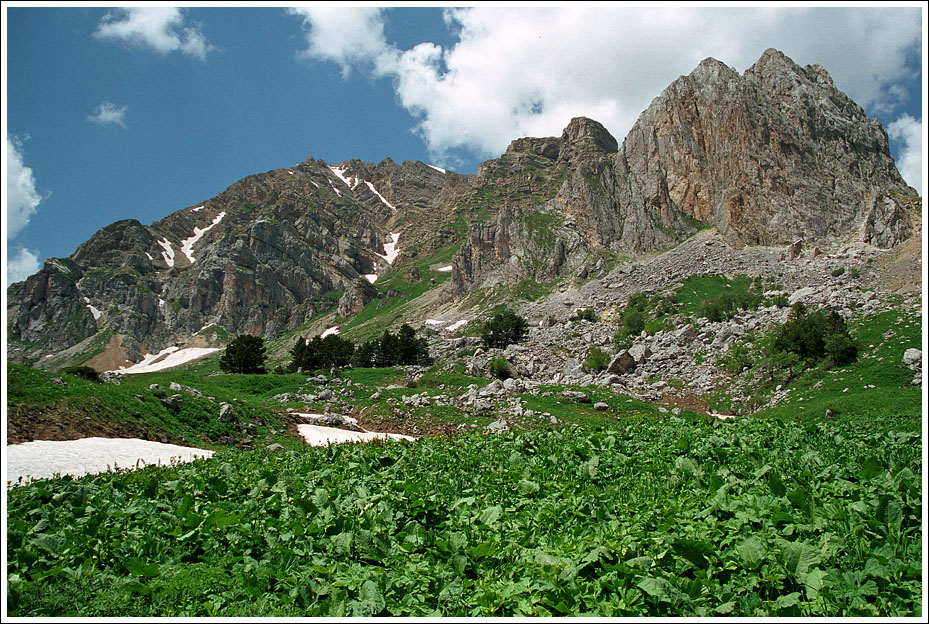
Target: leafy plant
(245, 355)
(504, 329)
(500, 368)
(597, 359)
(85, 372)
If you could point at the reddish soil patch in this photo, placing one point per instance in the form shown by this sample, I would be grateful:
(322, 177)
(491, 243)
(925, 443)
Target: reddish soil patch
(689, 401)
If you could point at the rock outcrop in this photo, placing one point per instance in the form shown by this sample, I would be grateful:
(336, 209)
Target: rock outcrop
(770, 157)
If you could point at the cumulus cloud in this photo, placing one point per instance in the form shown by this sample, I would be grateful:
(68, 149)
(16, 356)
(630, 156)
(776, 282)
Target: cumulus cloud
(909, 132)
(527, 71)
(22, 202)
(108, 114)
(342, 35)
(21, 265)
(22, 198)
(160, 29)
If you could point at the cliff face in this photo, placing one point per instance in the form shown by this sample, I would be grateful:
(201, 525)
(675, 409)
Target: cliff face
(767, 157)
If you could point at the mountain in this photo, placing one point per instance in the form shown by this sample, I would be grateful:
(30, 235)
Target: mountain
(771, 156)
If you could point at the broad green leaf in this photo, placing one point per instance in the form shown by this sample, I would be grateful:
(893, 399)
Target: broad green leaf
(490, 515)
(528, 487)
(788, 600)
(815, 581)
(139, 567)
(798, 558)
(751, 552)
(662, 589)
(870, 468)
(776, 484)
(725, 608)
(482, 550)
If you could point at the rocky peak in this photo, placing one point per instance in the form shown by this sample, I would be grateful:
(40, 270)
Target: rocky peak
(584, 136)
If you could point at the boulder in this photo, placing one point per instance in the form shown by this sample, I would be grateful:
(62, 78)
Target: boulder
(621, 364)
(913, 358)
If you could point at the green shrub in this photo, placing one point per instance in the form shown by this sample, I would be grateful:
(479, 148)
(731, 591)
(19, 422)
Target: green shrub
(807, 333)
(587, 314)
(245, 355)
(500, 368)
(841, 349)
(504, 329)
(854, 273)
(597, 359)
(85, 372)
(737, 359)
(838, 272)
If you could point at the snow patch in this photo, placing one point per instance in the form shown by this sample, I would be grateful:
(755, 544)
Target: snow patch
(434, 322)
(290, 172)
(381, 197)
(161, 302)
(313, 182)
(187, 245)
(332, 331)
(168, 253)
(439, 169)
(168, 358)
(149, 256)
(444, 269)
(316, 435)
(340, 173)
(457, 325)
(371, 277)
(97, 313)
(197, 209)
(391, 251)
(44, 459)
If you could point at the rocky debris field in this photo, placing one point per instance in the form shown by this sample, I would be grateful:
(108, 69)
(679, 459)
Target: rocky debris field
(681, 361)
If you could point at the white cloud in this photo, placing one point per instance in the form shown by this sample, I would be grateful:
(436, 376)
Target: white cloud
(160, 29)
(109, 114)
(22, 198)
(527, 71)
(342, 35)
(909, 132)
(21, 265)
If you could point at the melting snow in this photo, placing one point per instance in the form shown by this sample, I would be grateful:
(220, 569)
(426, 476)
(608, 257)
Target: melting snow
(457, 325)
(371, 277)
(168, 253)
(390, 249)
(434, 322)
(187, 245)
(332, 331)
(317, 435)
(314, 183)
(439, 169)
(445, 269)
(148, 255)
(44, 459)
(197, 209)
(97, 313)
(167, 358)
(340, 173)
(381, 197)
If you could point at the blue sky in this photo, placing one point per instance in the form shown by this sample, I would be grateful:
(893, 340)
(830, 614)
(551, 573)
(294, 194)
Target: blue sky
(113, 114)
